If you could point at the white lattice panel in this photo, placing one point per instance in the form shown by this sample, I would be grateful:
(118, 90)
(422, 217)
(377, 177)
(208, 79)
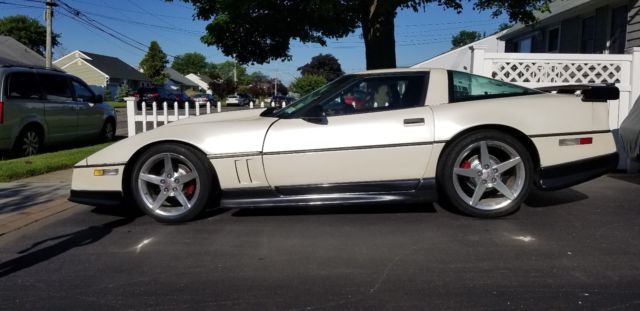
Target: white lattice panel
(518, 71)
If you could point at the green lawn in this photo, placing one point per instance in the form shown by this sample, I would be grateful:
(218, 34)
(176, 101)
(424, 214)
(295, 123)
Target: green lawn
(117, 104)
(44, 163)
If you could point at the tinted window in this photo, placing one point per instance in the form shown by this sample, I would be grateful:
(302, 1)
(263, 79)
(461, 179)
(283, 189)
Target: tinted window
(464, 87)
(377, 94)
(83, 94)
(23, 85)
(56, 87)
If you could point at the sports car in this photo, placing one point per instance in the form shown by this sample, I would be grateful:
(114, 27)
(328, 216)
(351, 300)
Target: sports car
(470, 142)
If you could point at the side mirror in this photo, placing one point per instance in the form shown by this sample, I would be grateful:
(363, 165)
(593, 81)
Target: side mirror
(97, 99)
(316, 115)
(600, 94)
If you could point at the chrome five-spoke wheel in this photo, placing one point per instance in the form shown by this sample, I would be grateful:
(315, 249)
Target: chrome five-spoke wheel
(172, 183)
(486, 174)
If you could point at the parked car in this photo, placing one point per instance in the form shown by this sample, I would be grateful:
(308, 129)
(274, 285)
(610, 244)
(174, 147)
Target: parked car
(477, 144)
(233, 100)
(181, 99)
(203, 98)
(244, 99)
(46, 107)
(150, 95)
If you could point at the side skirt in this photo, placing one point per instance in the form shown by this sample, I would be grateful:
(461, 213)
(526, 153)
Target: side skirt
(385, 192)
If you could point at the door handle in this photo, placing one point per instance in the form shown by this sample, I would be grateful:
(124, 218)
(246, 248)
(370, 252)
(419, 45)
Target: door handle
(414, 121)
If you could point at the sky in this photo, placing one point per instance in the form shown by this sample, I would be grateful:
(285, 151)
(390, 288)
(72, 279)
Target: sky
(419, 36)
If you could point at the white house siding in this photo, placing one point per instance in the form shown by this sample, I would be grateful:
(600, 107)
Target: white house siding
(633, 28)
(87, 73)
(460, 58)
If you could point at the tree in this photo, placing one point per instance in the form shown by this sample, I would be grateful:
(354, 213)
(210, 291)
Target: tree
(465, 37)
(307, 84)
(259, 31)
(325, 65)
(504, 26)
(223, 88)
(106, 95)
(225, 71)
(187, 63)
(154, 63)
(122, 92)
(27, 31)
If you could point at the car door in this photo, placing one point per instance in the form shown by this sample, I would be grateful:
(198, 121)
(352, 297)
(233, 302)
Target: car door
(374, 132)
(61, 114)
(89, 118)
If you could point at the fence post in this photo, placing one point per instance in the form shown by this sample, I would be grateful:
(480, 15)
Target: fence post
(251, 105)
(131, 115)
(477, 59)
(219, 106)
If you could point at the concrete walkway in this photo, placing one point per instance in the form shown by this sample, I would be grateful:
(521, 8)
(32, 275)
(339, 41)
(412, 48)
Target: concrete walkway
(24, 193)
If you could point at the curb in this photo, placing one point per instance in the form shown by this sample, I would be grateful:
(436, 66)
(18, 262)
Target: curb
(21, 219)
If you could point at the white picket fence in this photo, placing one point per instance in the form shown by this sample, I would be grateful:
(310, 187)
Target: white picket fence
(164, 113)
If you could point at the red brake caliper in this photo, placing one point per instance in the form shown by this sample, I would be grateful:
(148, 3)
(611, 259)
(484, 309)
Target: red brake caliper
(465, 165)
(189, 188)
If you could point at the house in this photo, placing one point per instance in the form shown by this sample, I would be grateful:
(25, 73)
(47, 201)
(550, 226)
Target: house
(101, 71)
(178, 83)
(13, 52)
(202, 81)
(460, 58)
(579, 26)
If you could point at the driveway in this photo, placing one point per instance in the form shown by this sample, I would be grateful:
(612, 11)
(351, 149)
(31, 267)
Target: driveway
(572, 249)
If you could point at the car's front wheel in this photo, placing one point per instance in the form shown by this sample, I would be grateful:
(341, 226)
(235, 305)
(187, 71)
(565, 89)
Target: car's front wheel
(486, 174)
(172, 183)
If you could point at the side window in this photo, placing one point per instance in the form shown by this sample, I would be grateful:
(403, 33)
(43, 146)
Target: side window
(83, 94)
(23, 85)
(464, 87)
(378, 94)
(56, 87)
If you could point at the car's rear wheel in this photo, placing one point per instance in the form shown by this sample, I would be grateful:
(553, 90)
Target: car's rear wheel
(172, 183)
(486, 174)
(29, 142)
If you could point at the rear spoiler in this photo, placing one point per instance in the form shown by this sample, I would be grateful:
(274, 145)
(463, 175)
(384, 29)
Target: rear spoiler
(590, 93)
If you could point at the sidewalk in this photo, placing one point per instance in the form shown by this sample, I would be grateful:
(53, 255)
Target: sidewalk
(28, 200)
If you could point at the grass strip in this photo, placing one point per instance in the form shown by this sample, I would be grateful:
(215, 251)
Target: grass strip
(115, 104)
(44, 163)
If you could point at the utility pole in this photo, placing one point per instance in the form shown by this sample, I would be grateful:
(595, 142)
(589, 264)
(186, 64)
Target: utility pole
(49, 18)
(235, 77)
(275, 83)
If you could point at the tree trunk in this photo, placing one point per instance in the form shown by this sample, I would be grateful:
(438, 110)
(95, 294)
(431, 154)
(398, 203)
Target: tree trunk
(377, 19)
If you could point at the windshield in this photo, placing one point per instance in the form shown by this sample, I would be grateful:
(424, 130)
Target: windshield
(307, 101)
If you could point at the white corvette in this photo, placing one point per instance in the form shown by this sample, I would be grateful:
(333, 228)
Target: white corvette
(386, 136)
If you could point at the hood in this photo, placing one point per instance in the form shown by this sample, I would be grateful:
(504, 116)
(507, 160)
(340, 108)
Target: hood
(214, 134)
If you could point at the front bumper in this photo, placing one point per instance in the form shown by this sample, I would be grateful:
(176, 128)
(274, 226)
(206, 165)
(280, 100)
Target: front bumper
(96, 198)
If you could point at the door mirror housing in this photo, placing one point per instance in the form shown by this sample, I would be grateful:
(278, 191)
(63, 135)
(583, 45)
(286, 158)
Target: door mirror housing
(316, 115)
(97, 99)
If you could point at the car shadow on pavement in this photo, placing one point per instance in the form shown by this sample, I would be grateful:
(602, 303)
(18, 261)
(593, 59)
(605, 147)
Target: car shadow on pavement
(347, 209)
(34, 255)
(540, 199)
(630, 178)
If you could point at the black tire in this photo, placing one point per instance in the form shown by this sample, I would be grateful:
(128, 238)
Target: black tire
(168, 191)
(29, 142)
(108, 131)
(485, 188)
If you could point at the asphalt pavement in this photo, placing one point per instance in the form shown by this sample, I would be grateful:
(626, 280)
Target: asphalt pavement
(577, 248)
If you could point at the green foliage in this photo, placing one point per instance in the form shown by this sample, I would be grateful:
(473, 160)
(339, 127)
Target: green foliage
(307, 84)
(193, 62)
(465, 37)
(123, 91)
(504, 26)
(154, 63)
(44, 163)
(325, 65)
(222, 88)
(27, 31)
(107, 96)
(260, 31)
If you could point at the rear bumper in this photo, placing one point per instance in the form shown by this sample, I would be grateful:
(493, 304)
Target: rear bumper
(569, 174)
(96, 198)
